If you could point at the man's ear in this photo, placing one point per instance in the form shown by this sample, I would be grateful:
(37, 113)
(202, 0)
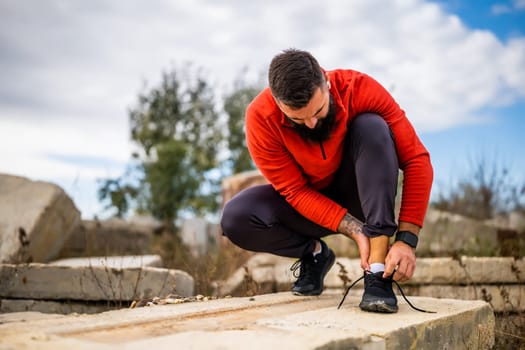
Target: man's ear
(327, 80)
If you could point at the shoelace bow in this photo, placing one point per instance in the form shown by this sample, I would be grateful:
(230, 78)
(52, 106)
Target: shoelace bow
(295, 266)
(300, 265)
(398, 288)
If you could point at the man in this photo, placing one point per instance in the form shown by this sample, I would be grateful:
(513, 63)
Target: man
(331, 144)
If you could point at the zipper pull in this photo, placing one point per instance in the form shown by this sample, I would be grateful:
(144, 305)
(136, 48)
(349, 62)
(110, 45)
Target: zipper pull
(322, 150)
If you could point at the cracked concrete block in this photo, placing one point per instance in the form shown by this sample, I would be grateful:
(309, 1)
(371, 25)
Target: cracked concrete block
(36, 218)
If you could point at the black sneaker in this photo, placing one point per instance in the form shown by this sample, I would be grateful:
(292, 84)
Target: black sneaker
(312, 271)
(378, 295)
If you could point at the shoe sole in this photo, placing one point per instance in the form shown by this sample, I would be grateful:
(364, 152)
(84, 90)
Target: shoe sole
(378, 306)
(320, 290)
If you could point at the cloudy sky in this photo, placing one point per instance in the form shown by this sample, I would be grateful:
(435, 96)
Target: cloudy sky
(71, 69)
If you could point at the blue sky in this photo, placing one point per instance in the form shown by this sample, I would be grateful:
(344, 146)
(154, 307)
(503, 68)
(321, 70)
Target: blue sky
(500, 139)
(72, 69)
(503, 18)
(500, 142)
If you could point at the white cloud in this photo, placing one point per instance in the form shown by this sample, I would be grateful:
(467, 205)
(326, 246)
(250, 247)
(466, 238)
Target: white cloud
(519, 4)
(515, 5)
(500, 9)
(70, 70)
(56, 148)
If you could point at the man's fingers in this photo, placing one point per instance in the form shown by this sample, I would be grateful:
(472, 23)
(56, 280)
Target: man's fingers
(408, 272)
(402, 257)
(400, 275)
(404, 271)
(401, 272)
(390, 266)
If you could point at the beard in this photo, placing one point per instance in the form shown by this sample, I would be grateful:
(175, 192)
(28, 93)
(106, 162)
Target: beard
(322, 129)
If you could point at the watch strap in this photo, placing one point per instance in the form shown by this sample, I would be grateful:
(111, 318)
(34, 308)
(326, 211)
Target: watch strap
(407, 237)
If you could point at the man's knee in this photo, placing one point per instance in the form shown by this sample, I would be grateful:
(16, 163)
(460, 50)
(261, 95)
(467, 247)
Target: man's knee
(231, 219)
(249, 215)
(372, 129)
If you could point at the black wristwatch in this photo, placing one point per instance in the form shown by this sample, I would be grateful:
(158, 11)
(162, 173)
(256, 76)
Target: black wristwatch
(407, 237)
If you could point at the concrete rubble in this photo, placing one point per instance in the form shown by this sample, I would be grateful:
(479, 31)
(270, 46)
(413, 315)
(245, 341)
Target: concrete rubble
(39, 223)
(49, 282)
(88, 285)
(280, 321)
(123, 262)
(499, 280)
(112, 236)
(234, 184)
(57, 307)
(36, 218)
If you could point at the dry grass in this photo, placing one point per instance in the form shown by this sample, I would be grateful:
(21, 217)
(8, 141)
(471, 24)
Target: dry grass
(510, 331)
(217, 264)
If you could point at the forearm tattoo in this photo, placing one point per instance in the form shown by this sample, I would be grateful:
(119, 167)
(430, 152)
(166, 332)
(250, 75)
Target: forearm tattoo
(350, 225)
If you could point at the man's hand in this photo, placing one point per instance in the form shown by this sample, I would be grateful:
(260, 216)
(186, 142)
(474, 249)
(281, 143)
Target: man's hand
(404, 257)
(363, 244)
(353, 228)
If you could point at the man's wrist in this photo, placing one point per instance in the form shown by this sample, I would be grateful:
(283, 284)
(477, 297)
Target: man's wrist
(407, 237)
(350, 225)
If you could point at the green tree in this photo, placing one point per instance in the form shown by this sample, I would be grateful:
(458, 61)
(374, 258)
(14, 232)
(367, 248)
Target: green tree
(119, 193)
(179, 136)
(235, 106)
(176, 128)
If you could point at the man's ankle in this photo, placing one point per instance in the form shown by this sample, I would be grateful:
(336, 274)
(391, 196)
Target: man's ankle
(318, 248)
(377, 267)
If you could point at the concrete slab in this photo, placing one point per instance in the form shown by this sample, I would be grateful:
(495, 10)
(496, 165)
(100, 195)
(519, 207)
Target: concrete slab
(499, 280)
(113, 236)
(118, 262)
(507, 298)
(280, 321)
(58, 307)
(49, 282)
(430, 271)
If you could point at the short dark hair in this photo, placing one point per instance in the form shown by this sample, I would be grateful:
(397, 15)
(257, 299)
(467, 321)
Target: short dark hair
(293, 76)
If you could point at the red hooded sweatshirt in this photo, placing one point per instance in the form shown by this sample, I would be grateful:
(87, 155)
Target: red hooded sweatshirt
(297, 168)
